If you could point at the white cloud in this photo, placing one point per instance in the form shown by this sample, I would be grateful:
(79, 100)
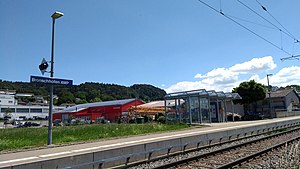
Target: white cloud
(198, 75)
(286, 76)
(255, 65)
(225, 79)
(255, 77)
(185, 86)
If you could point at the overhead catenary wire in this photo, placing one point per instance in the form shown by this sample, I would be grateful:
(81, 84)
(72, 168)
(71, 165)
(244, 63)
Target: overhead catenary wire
(265, 9)
(290, 58)
(281, 39)
(288, 34)
(255, 23)
(236, 22)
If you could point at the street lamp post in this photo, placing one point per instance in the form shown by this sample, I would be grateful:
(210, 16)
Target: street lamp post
(269, 93)
(54, 16)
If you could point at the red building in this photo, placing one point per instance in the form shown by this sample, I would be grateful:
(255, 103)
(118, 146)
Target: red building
(109, 110)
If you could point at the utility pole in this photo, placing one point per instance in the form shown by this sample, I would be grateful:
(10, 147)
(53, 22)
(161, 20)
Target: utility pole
(269, 93)
(54, 16)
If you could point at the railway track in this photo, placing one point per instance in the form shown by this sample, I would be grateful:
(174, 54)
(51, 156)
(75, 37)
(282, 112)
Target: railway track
(283, 157)
(225, 155)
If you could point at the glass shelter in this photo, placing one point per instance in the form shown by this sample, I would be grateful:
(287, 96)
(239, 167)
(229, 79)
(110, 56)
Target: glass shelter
(197, 106)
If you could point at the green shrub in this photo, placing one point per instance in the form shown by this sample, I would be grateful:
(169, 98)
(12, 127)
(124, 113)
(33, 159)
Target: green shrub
(161, 119)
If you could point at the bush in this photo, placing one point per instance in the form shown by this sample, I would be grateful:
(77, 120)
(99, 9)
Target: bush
(147, 119)
(161, 119)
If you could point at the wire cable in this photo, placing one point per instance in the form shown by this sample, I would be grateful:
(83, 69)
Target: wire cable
(290, 58)
(241, 19)
(266, 19)
(281, 39)
(265, 9)
(214, 9)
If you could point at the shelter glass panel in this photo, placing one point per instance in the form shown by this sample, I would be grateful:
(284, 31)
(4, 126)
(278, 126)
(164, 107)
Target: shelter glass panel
(171, 114)
(195, 111)
(185, 116)
(221, 111)
(214, 110)
(204, 110)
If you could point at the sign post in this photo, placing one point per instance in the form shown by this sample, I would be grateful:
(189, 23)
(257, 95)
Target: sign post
(50, 81)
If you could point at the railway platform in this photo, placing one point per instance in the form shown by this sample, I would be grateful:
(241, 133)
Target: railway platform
(141, 146)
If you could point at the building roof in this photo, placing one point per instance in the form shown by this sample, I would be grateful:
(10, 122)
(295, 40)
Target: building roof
(153, 104)
(281, 92)
(96, 104)
(203, 93)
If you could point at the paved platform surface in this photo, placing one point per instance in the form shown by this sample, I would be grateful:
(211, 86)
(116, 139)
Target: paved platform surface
(56, 152)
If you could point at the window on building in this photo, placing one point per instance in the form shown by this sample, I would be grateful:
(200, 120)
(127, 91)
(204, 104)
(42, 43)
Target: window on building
(10, 101)
(4, 110)
(35, 110)
(45, 111)
(22, 110)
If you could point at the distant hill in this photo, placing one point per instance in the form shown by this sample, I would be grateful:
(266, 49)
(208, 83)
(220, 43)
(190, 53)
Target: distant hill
(87, 92)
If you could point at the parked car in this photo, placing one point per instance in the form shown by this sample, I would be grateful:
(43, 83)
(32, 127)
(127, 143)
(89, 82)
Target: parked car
(26, 124)
(253, 116)
(236, 117)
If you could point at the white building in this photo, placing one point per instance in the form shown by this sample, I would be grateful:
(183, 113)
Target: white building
(8, 98)
(9, 107)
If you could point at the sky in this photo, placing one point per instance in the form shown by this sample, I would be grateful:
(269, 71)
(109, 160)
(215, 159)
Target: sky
(176, 45)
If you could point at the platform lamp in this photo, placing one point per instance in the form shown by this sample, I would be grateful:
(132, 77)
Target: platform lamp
(269, 93)
(54, 16)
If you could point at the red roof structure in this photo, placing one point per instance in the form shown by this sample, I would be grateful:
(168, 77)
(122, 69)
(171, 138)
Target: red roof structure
(109, 110)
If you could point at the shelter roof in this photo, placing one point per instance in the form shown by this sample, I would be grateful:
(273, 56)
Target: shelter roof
(203, 93)
(200, 92)
(160, 103)
(236, 96)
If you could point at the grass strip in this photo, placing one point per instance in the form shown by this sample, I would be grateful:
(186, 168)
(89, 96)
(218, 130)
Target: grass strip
(23, 138)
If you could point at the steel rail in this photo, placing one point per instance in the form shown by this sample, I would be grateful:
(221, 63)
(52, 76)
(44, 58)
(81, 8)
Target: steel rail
(128, 157)
(198, 148)
(259, 153)
(183, 161)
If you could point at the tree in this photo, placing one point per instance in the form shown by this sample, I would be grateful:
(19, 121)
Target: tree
(251, 92)
(65, 96)
(87, 92)
(297, 87)
(148, 92)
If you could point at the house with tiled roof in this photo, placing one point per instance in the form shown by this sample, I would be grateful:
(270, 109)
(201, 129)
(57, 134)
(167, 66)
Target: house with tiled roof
(286, 99)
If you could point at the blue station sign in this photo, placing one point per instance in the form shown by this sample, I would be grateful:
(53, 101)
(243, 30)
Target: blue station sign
(52, 81)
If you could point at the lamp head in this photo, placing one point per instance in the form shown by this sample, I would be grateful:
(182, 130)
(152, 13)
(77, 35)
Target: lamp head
(57, 15)
(43, 66)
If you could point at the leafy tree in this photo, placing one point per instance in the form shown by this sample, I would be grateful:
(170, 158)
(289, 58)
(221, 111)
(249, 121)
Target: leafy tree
(96, 99)
(65, 96)
(251, 92)
(148, 92)
(7, 114)
(297, 87)
(87, 92)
